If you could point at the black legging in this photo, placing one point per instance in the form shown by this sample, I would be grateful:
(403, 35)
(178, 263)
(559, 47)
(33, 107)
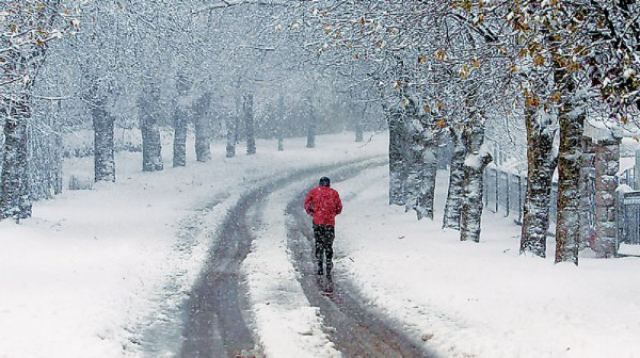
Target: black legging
(324, 235)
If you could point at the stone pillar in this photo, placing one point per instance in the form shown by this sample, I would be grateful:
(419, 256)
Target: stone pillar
(607, 164)
(587, 194)
(636, 172)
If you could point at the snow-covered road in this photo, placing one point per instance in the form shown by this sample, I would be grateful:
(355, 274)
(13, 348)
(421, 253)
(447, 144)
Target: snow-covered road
(105, 273)
(218, 315)
(279, 312)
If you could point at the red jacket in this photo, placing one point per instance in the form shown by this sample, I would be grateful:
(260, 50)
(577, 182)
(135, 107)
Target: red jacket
(323, 203)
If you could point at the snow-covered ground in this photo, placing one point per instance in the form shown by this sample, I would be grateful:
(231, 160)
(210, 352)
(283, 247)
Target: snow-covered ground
(91, 268)
(482, 300)
(81, 277)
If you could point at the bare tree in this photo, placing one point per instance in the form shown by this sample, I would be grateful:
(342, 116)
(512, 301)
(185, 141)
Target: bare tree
(26, 29)
(149, 125)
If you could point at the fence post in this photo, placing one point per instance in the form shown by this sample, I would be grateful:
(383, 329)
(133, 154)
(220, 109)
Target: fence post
(626, 177)
(553, 203)
(497, 190)
(485, 183)
(621, 218)
(508, 203)
(519, 198)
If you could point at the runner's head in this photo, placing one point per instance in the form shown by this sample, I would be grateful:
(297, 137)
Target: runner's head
(324, 181)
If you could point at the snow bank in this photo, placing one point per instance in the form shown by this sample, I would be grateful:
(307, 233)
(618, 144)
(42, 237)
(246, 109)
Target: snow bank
(91, 269)
(482, 300)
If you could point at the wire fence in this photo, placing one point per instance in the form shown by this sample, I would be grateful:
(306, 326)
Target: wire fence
(504, 192)
(627, 177)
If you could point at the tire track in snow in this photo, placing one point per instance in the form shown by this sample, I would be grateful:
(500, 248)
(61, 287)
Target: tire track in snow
(215, 325)
(159, 335)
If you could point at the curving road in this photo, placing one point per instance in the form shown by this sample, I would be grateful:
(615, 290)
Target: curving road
(215, 319)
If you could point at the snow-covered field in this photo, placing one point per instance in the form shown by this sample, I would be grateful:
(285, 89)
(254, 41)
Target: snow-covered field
(81, 277)
(482, 300)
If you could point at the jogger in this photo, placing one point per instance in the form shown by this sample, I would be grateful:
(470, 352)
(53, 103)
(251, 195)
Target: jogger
(323, 203)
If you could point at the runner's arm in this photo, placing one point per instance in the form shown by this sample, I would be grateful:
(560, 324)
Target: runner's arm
(308, 204)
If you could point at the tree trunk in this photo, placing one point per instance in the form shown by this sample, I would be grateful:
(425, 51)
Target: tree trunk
(15, 201)
(397, 172)
(541, 163)
(311, 130)
(43, 162)
(359, 133)
(571, 119)
(475, 162)
(38, 167)
(280, 136)
(455, 194)
(103, 152)
(421, 167)
(21, 61)
(426, 193)
(57, 175)
(26, 198)
(203, 141)
(280, 122)
(249, 124)
(202, 128)
(47, 160)
(231, 124)
(430, 171)
(359, 125)
(414, 151)
(151, 140)
(152, 145)
(180, 122)
(147, 165)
